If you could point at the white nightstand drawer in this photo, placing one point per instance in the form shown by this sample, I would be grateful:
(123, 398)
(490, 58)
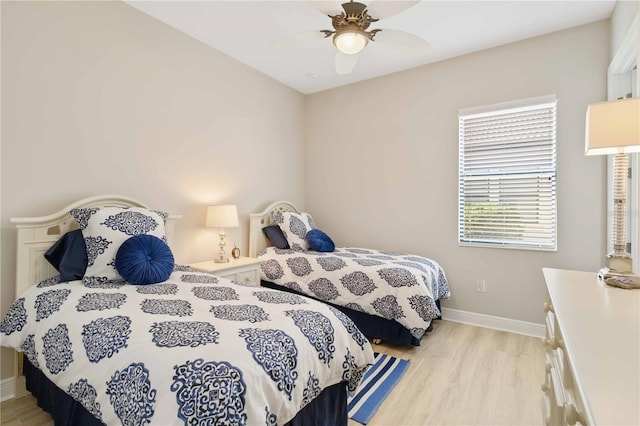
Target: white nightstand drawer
(245, 270)
(248, 277)
(231, 276)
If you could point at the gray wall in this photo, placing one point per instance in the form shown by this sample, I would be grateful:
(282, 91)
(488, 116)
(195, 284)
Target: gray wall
(98, 98)
(382, 164)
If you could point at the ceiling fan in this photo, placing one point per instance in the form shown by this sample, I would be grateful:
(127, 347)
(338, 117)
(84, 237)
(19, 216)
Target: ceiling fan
(351, 33)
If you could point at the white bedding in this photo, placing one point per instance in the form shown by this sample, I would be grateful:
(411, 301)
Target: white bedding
(192, 350)
(400, 287)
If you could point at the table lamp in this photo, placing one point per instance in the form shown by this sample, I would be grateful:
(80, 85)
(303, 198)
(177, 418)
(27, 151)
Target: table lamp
(614, 128)
(222, 217)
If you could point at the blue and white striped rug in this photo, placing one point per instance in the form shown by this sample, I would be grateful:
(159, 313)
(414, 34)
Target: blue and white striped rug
(376, 384)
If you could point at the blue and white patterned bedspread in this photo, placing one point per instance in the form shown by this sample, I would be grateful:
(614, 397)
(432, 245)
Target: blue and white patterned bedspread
(400, 287)
(195, 349)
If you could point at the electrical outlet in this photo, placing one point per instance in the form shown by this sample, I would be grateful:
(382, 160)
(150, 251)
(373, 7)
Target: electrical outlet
(481, 286)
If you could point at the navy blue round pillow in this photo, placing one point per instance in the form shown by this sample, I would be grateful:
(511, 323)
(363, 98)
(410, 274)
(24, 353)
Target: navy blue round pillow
(319, 241)
(144, 259)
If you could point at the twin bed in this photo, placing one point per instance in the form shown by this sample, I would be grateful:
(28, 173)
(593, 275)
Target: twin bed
(190, 349)
(390, 296)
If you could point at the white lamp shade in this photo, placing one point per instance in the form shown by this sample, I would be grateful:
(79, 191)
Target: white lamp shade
(350, 42)
(222, 216)
(613, 127)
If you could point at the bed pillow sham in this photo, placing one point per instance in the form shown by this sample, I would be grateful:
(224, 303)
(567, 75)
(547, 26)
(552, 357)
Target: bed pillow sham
(295, 226)
(105, 229)
(69, 256)
(144, 259)
(276, 237)
(319, 241)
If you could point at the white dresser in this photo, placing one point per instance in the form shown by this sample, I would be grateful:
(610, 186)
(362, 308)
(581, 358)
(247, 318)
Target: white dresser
(592, 351)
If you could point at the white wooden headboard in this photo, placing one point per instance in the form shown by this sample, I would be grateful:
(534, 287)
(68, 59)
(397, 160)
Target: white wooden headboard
(257, 221)
(37, 234)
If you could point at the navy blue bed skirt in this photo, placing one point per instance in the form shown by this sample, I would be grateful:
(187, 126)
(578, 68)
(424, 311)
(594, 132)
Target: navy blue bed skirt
(327, 409)
(63, 409)
(373, 327)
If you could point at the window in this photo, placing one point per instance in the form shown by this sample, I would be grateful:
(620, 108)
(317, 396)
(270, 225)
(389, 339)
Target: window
(507, 181)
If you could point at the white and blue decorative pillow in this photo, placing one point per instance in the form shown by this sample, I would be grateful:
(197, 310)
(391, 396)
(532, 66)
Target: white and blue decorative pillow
(295, 226)
(144, 259)
(105, 229)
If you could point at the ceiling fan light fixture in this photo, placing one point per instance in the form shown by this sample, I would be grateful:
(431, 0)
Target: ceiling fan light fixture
(350, 42)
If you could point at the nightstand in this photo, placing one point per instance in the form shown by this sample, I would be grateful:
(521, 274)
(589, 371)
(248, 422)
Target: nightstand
(244, 270)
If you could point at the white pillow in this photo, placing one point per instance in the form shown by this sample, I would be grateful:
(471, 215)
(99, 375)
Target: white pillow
(105, 229)
(295, 226)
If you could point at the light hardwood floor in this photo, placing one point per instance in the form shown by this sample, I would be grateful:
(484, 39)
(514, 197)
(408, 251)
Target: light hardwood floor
(465, 375)
(461, 375)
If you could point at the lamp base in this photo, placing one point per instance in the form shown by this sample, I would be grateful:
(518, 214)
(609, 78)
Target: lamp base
(624, 280)
(222, 255)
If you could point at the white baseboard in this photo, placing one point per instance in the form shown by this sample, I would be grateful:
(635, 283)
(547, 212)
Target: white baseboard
(7, 388)
(496, 323)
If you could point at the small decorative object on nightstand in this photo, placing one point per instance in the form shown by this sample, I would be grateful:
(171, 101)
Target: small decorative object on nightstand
(235, 252)
(243, 270)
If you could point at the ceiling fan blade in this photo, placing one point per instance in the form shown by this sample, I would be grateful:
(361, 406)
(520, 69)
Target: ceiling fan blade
(345, 63)
(386, 9)
(298, 40)
(327, 7)
(401, 40)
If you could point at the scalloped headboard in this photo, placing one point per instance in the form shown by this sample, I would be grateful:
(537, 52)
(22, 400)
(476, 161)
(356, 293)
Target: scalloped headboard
(37, 234)
(257, 221)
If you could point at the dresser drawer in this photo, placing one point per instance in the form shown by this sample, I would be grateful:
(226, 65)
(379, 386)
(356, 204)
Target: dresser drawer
(550, 320)
(560, 405)
(573, 409)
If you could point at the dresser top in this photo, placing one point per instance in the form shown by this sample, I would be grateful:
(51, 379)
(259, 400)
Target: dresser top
(600, 326)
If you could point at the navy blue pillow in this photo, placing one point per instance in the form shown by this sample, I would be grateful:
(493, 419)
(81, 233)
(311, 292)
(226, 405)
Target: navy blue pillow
(275, 235)
(319, 241)
(69, 256)
(144, 259)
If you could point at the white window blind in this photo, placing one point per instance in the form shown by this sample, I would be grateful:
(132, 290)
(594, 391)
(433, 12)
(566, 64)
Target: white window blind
(507, 181)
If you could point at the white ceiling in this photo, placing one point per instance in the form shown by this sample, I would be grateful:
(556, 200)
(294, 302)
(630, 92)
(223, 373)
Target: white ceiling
(245, 30)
